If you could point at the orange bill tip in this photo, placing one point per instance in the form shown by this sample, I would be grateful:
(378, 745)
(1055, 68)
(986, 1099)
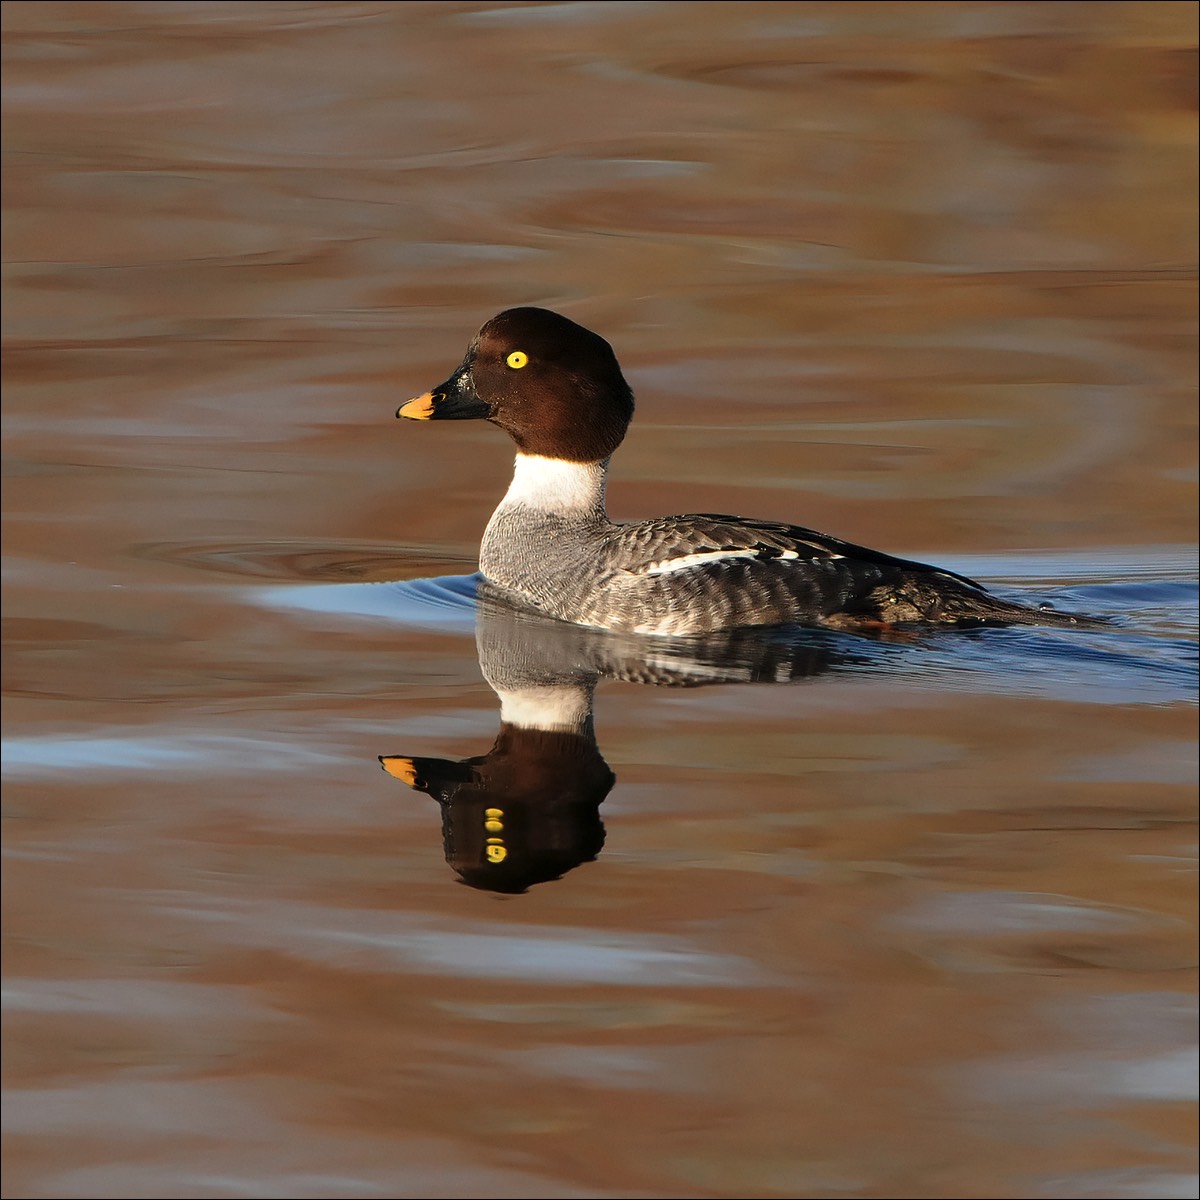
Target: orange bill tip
(420, 408)
(399, 768)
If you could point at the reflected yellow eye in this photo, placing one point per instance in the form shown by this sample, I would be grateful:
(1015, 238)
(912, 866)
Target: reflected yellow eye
(517, 359)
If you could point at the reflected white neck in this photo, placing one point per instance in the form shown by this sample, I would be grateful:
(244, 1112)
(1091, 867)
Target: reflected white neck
(553, 707)
(556, 485)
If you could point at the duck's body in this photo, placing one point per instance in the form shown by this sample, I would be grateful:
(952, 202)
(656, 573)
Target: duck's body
(556, 388)
(550, 544)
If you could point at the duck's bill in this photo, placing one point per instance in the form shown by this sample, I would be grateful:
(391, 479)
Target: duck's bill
(400, 768)
(452, 401)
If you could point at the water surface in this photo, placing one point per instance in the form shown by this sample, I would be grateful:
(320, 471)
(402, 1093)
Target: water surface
(833, 915)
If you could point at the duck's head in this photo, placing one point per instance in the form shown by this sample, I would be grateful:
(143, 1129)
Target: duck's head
(554, 387)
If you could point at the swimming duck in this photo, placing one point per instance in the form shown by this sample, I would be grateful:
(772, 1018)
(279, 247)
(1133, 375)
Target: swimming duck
(557, 390)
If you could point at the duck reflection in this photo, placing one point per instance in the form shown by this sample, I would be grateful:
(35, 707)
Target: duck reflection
(528, 811)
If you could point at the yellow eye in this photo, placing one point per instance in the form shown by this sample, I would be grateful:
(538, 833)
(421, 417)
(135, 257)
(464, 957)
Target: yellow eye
(517, 359)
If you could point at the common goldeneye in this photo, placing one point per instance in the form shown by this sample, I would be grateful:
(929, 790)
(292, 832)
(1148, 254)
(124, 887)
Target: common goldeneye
(556, 389)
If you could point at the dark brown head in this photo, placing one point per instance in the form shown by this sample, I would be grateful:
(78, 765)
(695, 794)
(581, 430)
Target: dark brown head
(526, 812)
(554, 387)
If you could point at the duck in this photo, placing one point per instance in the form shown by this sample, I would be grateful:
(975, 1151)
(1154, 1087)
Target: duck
(557, 390)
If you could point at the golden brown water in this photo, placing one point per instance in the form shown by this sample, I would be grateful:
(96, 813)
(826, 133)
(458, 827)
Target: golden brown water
(918, 924)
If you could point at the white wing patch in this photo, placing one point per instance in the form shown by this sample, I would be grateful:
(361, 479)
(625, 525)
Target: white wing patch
(685, 562)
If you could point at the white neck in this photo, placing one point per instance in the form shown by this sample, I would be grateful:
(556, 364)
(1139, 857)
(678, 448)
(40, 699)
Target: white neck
(557, 485)
(552, 707)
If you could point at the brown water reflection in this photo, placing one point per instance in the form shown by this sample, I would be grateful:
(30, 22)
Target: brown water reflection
(922, 275)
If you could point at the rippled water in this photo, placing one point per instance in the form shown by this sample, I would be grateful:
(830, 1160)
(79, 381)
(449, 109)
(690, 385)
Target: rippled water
(786, 914)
